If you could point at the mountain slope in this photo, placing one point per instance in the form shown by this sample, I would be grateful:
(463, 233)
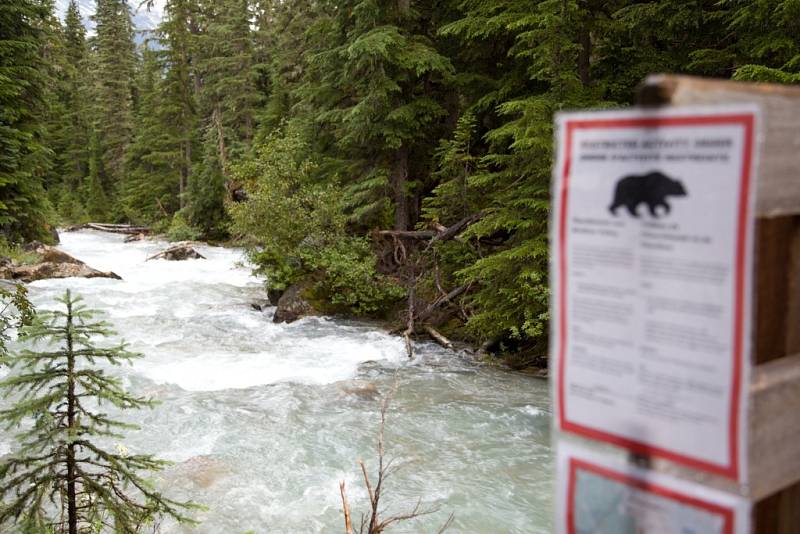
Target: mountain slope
(143, 19)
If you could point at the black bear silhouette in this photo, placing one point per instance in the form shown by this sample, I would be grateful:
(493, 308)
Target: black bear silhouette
(652, 189)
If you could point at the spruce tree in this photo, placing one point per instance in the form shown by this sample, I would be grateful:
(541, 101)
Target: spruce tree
(377, 80)
(113, 90)
(75, 145)
(524, 63)
(227, 96)
(15, 311)
(155, 162)
(177, 90)
(61, 479)
(24, 209)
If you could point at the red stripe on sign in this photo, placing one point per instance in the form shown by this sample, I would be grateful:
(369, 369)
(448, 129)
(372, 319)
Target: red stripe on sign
(727, 514)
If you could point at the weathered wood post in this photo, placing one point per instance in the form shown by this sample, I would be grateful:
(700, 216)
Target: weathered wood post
(774, 448)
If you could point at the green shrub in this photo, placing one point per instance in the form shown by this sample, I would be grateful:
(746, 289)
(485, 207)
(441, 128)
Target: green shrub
(179, 230)
(349, 280)
(296, 230)
(17, 253)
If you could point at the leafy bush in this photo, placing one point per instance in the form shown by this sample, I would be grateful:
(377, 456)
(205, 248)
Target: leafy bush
(296, 230)
(179, 230)
(17, 253)
(349, 279)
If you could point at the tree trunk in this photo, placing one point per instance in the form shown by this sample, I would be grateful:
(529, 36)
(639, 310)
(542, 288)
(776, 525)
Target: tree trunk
(72, 502)
(399, 181)
(223, 156)
(185, 172)
(585, 54)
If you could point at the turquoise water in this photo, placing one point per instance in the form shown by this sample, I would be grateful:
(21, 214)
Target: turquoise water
(264, 420)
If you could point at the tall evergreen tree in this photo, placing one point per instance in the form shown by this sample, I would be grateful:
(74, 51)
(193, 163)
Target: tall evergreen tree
(61, 462)
(113, 90)
(74, 156)
(154, 158)
(24, 209)
(226, 91)
(535, 67)
(179, 87)
(375, 81)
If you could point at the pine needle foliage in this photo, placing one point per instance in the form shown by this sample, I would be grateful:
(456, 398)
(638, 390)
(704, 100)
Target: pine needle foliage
(24, 209)
(61, 479)
(15, 311)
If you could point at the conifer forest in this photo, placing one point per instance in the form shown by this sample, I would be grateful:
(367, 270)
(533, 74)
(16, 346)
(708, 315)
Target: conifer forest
(319, 132)
(380, 161)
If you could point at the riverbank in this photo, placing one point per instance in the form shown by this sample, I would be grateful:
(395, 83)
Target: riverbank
(297, 301)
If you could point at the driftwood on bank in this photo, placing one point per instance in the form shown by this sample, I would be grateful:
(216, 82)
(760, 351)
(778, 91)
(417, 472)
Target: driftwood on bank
(178, 252)
(113, 228)
(439, 234)
(436, 233)
(441, 301)
(430, 309)
(438, 337)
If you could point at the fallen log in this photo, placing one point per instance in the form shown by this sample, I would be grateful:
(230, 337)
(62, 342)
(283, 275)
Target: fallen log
(412, 234)
(440, 233)
(459, 227)
(179, 252)
(112, 228)
(438, 337)
(436, 304)
(427, 312)
(119, 228)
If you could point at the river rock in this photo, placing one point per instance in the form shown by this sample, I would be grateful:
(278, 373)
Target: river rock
(274, 296)
(360, 389)
(135, 237)
(259, 306)
(292, 305)
(54, 263)
(178, 253)
(203, 470)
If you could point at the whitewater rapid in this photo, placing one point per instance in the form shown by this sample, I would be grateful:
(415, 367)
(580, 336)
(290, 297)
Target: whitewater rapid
(264, 420)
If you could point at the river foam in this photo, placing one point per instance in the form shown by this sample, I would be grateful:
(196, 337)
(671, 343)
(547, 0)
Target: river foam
(263, 420)
(194, 320)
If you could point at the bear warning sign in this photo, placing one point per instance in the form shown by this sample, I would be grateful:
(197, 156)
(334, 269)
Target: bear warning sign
(652, 222)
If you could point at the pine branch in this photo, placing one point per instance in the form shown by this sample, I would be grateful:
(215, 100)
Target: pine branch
(62, 461)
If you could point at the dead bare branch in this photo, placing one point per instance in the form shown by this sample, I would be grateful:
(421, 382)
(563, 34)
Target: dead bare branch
(348, 525)
(438, 337)
(412, 295)
(374, 521)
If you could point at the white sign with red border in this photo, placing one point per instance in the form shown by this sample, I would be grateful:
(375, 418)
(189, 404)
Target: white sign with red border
(652, 223)
(598, 494)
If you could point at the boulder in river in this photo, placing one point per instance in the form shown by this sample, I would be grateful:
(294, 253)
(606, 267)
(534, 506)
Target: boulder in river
(135, 237)
(203, 471)
(259, 306)
(179, 252)
(54, 263)
(360, 389)
(274, 296)
(293, 305)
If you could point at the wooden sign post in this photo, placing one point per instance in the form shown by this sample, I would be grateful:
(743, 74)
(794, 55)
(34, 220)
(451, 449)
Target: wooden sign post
(659, 423)
(774, 413)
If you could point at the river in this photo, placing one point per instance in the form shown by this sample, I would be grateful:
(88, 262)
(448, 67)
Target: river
(264, 420)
